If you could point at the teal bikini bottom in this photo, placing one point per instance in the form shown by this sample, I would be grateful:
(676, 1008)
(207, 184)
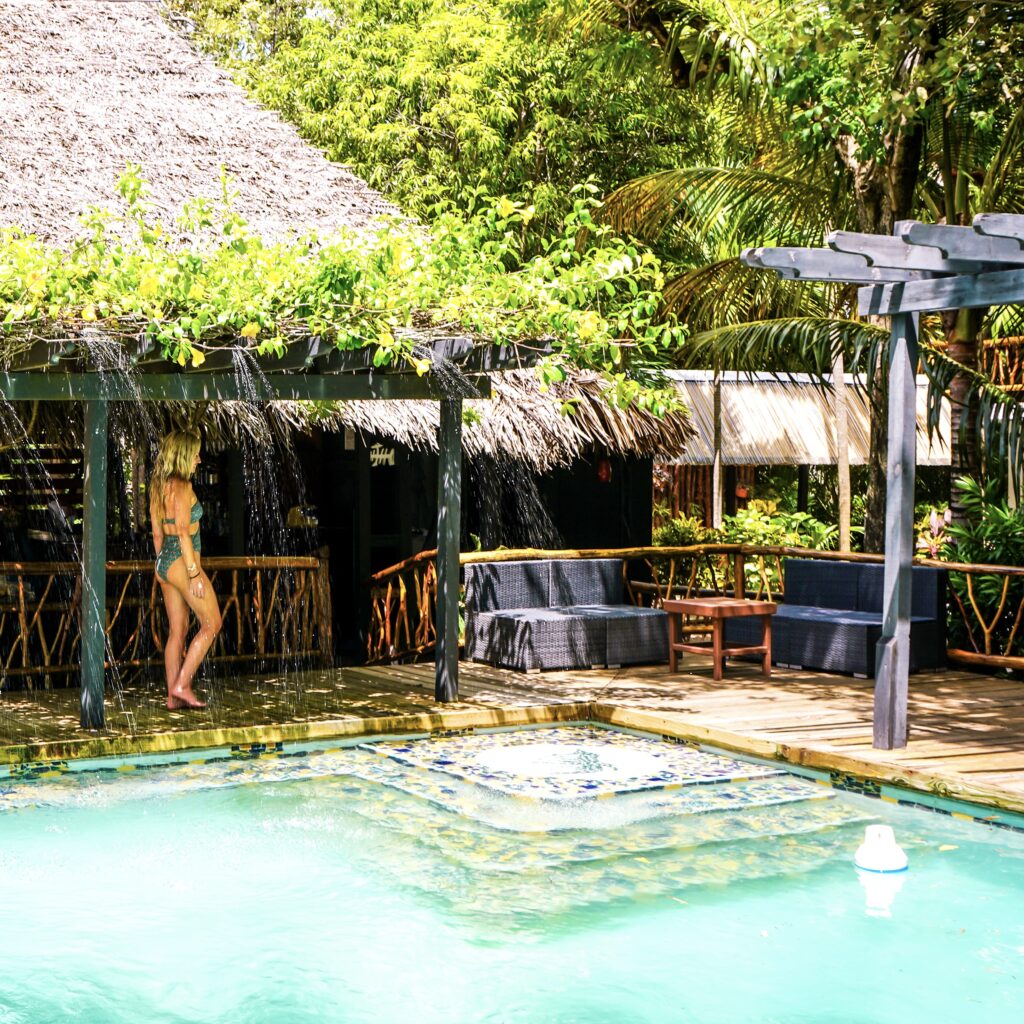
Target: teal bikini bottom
(170, 552)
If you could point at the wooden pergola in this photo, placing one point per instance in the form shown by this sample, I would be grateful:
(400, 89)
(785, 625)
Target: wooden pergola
(921, 268)
(64, 370)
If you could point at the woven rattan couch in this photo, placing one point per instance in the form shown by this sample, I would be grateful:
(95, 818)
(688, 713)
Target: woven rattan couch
(831, 617)
(557, 614)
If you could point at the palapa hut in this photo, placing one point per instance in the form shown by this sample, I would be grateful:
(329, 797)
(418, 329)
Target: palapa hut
(89, 88)
(775, 419)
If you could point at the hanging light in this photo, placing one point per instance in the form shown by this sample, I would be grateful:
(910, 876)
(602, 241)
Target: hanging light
(604, 469)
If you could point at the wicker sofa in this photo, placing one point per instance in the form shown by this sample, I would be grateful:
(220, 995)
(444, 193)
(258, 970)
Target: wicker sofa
(556, 614)
(831, 617)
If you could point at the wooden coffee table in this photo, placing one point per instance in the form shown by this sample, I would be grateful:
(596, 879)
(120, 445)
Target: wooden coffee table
(718, 609)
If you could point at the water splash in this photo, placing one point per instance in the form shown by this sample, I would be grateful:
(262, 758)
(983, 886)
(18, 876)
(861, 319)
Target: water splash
(447, 374)
(512, 512)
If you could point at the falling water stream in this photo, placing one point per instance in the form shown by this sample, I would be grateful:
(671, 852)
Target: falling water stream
(272, 480)
(511, 512)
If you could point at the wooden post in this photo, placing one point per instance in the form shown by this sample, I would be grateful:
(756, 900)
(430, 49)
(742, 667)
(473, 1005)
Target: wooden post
(449, 499)
(717, 481)
(94, 567)
(842, 449)
(803, 488)
(892, 660)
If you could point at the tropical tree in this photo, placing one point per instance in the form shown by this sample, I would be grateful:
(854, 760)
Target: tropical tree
(861, 113)
(439, 100)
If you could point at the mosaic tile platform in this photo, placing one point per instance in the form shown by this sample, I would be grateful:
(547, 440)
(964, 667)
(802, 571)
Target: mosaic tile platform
(570, 763)
(525, 781)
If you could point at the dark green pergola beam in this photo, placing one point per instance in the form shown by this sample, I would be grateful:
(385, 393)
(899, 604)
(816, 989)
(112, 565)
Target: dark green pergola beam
(206, 387)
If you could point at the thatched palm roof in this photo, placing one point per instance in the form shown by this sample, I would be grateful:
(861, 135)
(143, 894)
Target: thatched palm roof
(89, 86)
(519, 421)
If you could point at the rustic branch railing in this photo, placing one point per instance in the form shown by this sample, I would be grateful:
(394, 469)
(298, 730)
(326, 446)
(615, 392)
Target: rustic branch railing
(985, 614)
(273, 609)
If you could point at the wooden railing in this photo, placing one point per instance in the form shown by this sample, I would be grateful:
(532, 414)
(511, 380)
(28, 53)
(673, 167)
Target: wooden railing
(272, 609)
(985, 608)
(986, 614)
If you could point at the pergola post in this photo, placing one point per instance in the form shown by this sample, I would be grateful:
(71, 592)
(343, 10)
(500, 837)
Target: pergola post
(449, 500)
(94, 559)
(892, 659)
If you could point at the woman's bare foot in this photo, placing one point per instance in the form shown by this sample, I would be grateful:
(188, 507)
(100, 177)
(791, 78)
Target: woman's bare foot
(184, 699)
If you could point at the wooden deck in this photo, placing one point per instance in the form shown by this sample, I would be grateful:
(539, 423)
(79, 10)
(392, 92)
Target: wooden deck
(967, 730)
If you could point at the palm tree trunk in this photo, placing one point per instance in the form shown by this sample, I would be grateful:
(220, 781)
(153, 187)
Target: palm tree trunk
(883, 192)
(962, 327)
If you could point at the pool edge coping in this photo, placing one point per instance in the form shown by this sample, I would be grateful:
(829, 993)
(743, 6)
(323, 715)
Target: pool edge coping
(949, 786)
(946, 786)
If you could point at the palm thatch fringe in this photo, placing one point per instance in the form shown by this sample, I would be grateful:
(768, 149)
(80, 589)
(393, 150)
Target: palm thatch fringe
(523, 422)
(520, 421)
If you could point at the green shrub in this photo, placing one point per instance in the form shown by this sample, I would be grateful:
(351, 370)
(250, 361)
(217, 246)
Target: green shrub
(762, 523)
(684, 531)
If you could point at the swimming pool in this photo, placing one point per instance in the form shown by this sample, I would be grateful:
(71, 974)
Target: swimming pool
(558, 875)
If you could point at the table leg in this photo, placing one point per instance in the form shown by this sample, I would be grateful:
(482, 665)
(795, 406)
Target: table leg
(717, 654)
(766, 643)
(674, 621)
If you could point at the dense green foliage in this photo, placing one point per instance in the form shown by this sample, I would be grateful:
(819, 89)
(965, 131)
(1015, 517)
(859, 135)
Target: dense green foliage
(991, 533)
(868, 112)
(684, 531)
(431, 99)
(596, 302)
(762, 523)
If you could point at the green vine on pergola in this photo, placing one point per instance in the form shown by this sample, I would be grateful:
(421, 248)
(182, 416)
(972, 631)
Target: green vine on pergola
(206, 283)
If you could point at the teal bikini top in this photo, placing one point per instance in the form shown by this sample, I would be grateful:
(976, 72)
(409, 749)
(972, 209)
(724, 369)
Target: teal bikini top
(196, 515)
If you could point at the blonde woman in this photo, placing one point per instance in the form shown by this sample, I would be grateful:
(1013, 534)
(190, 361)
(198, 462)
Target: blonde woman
(175, 513)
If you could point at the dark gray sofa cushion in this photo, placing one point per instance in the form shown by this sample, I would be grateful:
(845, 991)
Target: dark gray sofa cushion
(585, 581)
(634, 636)
(823, 584)
(499, 585)
(535, 638)
(927, 596)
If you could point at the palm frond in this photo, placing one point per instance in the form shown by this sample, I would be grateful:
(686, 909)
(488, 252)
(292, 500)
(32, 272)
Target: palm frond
(728, 292)
(738, 205)
(1002, 175)
(790, 345)
(997, 415)
(707, 43)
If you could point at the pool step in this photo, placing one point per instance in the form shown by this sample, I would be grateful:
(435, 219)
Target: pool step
(506, 874)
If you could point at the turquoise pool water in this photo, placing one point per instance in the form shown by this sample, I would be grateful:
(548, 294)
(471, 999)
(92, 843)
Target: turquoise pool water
(407, 882)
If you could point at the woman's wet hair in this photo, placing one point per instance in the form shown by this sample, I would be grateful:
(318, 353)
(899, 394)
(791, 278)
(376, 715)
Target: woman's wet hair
(173, 462)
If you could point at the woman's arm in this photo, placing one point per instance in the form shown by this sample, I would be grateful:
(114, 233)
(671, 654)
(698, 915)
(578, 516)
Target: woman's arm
(158, 532)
